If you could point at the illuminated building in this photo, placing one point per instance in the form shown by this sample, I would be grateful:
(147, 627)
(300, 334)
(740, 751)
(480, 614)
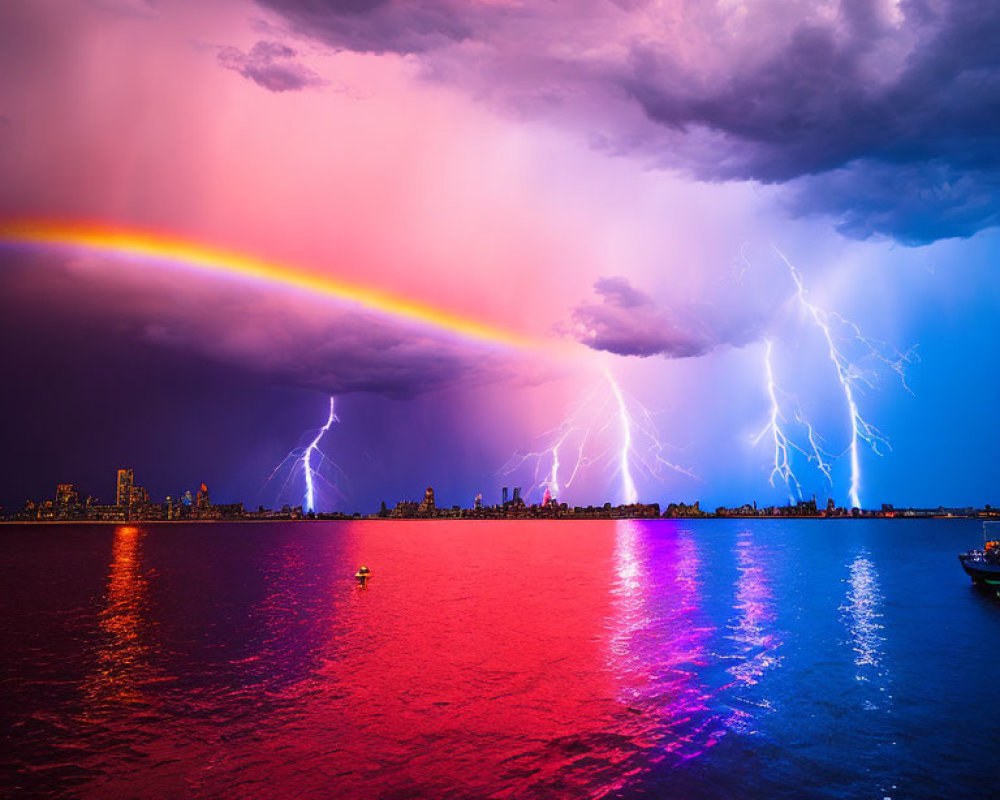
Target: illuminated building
(427, 504)
(66, 495)
(126, 479)
(203, 500)
(404, 509)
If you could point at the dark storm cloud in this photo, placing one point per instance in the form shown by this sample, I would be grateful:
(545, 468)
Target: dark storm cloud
(271, 65)
(628, 322)
(379, 26)
(284, 336)
(917, 203)
(339, 352)
(854, 104)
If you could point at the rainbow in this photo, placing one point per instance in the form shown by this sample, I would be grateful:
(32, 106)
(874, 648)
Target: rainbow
(163, 249)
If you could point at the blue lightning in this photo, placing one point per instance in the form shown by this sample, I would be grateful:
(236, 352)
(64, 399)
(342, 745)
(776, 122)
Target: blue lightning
(581, 440)
(303, 457)
(573, 435)
(783, 442)
(310, 499)
(640, 449)
(850, 378)
(629, 493)
(782, 462)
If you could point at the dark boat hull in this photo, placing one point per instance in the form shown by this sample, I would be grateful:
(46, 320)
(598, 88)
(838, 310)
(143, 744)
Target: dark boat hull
(983, 573)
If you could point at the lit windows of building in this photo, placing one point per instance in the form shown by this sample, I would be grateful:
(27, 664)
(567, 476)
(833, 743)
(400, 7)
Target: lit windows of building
(427, 505)
(66, 495)
(126, 480)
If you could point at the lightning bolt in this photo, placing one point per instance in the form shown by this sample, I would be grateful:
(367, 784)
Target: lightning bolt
(783, 442)
(310, 499)
(782, 462)
(572, 435)
(303, 457)
(849, 377)
(629, 493)
(580, 441)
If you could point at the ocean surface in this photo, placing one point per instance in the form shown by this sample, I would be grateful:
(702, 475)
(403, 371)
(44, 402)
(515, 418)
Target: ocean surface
(665, 659)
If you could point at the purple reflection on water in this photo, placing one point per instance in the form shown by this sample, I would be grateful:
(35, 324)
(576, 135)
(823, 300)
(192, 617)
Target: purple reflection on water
(660, 641)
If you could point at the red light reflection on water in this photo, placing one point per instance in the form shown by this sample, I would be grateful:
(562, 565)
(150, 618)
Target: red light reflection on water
(483, 659)
(123, 655)
(470, 663)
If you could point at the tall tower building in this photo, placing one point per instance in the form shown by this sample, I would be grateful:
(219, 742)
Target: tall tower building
(203, 500)
(427, 505)
(126, 480)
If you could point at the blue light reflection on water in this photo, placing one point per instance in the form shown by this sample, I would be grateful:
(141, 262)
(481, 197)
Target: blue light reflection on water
(710, 659)
(845, 660)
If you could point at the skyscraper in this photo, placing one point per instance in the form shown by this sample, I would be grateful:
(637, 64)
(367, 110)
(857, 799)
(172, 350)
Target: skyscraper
(126, 479)
(427, 505)
(203, 500)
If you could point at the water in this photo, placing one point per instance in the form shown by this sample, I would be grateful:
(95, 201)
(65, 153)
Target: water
(713, 659)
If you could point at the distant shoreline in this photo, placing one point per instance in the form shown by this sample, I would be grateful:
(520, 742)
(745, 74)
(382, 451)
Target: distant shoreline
(135, 522)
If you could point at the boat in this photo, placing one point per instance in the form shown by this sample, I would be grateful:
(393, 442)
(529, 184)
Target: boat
(983, 565)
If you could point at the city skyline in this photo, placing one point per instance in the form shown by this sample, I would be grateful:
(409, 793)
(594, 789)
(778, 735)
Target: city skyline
(598, 255)
(134, 503)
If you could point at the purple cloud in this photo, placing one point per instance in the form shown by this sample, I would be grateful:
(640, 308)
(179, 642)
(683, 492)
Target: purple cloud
(339, 353)
(381, 26)
(799, 91)
(628, 322)
(271, 65)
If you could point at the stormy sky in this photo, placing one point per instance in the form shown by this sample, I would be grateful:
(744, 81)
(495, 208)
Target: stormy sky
(636, 196)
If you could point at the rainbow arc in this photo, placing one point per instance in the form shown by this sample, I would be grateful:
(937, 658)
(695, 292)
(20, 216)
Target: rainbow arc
(172, 251)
